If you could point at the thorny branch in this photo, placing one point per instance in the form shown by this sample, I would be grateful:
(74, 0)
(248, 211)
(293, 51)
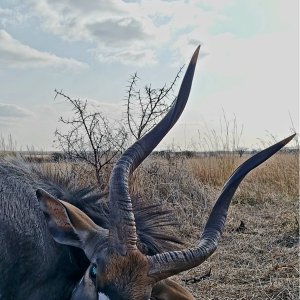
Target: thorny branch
(90, 136)
(145, 109)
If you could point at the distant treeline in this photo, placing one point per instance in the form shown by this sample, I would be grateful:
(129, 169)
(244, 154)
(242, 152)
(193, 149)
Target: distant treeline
(42, 156)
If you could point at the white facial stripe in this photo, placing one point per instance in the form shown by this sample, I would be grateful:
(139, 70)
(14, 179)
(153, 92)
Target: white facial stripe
(102, 297)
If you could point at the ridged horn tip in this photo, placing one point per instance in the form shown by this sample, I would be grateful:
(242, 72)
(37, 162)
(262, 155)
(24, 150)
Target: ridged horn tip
(195, 55)
(288, 139)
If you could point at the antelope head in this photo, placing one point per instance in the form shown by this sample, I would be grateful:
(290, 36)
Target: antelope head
(118, 270)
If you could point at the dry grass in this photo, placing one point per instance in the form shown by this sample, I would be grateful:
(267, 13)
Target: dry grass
(260, 262)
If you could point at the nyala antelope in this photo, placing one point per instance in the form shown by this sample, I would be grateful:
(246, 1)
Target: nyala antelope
(59, 242)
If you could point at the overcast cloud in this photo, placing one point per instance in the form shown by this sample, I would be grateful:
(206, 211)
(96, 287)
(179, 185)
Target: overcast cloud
(17, 55)
(13, 111)
(248, 66)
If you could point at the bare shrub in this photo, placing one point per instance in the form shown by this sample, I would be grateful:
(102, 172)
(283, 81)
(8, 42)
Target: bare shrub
(144, 109)
(90, 138)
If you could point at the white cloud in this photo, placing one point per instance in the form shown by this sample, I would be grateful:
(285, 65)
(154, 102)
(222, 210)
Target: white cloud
(112, 28)
(117, 31)
(73, 20)
(131, 33)
(137, 56)
(127, 32)
(253, 75)
(17, 55)
(12, 16)
(124, 31)
(13, 111)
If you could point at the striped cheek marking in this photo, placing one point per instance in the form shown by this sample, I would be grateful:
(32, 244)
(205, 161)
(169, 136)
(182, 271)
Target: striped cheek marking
(102, 296)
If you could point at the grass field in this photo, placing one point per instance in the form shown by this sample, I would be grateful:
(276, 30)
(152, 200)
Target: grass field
(257, 257)
(256, 261)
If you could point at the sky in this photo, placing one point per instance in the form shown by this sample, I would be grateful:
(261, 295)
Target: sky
(248, 69)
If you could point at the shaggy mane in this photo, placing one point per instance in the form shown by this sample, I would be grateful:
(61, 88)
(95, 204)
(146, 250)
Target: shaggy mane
(154, 224)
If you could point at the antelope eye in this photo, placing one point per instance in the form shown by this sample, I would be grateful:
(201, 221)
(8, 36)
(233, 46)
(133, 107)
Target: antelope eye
(93, 271)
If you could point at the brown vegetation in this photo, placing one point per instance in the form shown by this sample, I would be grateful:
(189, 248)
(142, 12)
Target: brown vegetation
(258, 260)
(258, 255)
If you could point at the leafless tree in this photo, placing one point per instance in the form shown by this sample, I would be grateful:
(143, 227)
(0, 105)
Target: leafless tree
(90, 137)
(145, 108)
(93, 139)
(241, 151)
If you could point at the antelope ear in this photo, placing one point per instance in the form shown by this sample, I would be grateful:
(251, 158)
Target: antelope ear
(169, 290)
(67, 224)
